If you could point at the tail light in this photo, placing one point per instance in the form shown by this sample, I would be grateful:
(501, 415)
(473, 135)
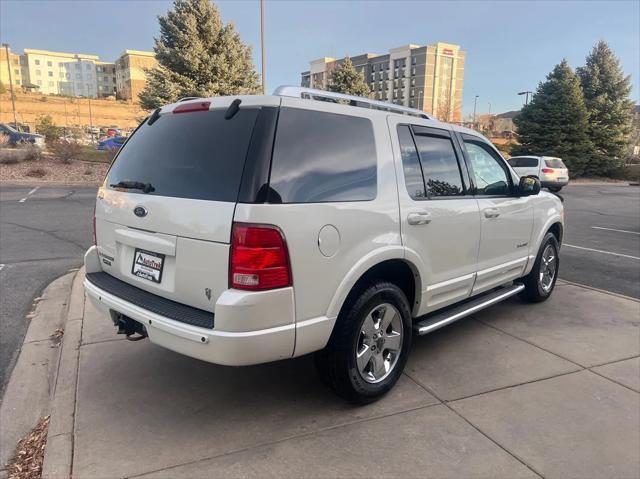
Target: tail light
(259, 259)
(547, 170)
(95, 238)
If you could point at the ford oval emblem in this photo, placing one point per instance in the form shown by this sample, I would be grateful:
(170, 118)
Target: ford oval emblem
(140, 211)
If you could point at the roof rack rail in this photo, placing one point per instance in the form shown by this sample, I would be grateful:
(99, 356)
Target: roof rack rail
(187, 98)
(322, 95)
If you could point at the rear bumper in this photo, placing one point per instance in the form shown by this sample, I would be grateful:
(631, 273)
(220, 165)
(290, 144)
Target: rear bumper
(553, 183)
(268, 320)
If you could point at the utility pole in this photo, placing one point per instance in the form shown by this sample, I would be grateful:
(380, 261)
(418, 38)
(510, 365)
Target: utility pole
(475, 104)
(90, 120)
(527, 93)
(13, 99)
(264, 66)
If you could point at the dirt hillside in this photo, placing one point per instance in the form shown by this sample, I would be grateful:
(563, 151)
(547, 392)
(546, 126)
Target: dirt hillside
(30, 106)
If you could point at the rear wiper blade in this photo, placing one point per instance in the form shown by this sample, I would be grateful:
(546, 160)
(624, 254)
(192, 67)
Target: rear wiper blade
(134, 185)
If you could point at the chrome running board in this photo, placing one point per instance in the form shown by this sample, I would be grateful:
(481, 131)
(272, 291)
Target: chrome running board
(431, 323)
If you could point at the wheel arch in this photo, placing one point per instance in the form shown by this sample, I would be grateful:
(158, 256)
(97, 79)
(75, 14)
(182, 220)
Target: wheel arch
(389, 266)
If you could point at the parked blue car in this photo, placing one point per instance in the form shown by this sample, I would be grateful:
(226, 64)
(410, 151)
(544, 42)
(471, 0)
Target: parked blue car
(17, 137)
(113, 143)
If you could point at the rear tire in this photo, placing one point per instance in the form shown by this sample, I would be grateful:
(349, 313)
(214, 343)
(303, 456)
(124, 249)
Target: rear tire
(555, 189)
(540, 282)
(370, 343)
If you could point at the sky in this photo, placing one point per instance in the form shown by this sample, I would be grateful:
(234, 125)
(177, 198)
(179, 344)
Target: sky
(510, 45)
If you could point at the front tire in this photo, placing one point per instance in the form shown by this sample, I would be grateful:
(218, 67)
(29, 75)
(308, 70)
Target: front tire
(370, 343)
(539, 283)
(555, 189)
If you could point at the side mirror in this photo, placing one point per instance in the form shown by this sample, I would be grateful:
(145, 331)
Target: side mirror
(529, 185)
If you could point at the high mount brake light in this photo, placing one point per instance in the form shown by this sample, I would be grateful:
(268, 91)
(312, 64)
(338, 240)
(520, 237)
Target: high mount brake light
(191, 107)
(259, 258)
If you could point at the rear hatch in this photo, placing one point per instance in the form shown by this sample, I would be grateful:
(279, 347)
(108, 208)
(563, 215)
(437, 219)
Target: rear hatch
(553, 169)
(165, 211)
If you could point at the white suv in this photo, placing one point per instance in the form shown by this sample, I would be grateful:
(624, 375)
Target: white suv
(552, 172)
(242, 230)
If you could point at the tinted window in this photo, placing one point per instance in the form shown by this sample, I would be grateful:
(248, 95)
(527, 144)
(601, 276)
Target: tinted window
(197, 155)
(554, 163)
(439, 165)
(411, 164)
(525, 162)
(490, 176)
(321, 157)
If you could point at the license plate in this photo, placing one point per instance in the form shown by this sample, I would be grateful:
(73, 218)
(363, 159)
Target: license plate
(147, 265)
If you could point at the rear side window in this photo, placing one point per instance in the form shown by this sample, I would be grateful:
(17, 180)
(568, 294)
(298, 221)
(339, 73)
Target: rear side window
(554, 163)
(439, 164)
(524, 162)
(321, 157)
(411, 164)
(197, 155)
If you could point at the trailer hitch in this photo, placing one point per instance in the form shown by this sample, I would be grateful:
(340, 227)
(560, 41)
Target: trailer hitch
(133, 330)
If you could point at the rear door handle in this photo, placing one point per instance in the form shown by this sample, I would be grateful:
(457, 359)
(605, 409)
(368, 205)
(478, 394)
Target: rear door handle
(419, 218)
(491, 213)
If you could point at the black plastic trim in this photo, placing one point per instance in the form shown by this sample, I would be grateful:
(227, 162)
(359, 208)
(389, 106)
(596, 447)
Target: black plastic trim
(255, 176)
(151, 302)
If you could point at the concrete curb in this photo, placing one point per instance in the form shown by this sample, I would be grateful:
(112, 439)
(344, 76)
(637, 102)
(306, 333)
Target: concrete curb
(29, 391)
(58, 455)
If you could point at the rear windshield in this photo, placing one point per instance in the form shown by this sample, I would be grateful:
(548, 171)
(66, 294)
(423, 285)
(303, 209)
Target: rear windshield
(554, 163)
(197, 155)
(523, 162)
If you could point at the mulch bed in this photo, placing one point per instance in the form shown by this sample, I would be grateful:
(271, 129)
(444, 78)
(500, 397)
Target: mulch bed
(49, 169)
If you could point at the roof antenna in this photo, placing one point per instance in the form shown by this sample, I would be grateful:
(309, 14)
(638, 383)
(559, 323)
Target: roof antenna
(233, 109)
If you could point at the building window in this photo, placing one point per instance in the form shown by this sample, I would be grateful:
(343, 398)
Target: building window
(39, 82)
(61, 74)
(17, 72)
(78, 76)
(37, 62)
(38, 72)
(50, 74)
(87, 66)
(17, 82)
(49, 64)
(412, 92)
(413, 82)
(413, 70)
(413, 60)
(60, 64)
(77, 66)
(50, 83)
(411, 103)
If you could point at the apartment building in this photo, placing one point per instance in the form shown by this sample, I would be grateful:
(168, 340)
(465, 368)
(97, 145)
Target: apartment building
(12, 63)
(106, 79)
(76, 74)
(429, 77)
(59, 73)
(131, 74)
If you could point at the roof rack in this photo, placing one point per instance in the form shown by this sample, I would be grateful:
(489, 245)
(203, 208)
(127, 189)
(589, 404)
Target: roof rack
(322, 95)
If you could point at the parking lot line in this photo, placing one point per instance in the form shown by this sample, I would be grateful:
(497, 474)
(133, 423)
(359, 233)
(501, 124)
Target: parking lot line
(601, 251)
(29, 194)
(613, 229)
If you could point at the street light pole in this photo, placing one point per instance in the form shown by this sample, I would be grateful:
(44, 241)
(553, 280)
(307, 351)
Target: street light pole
(264, 83)
(13, 99)
(475, 103)
(526, 93)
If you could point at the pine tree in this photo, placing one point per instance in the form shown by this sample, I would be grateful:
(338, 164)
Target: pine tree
(555, 122)
(606, 93)
(198, 55)
(346, 79)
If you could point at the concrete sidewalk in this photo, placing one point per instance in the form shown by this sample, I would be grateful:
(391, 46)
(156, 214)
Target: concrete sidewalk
(519, 390)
